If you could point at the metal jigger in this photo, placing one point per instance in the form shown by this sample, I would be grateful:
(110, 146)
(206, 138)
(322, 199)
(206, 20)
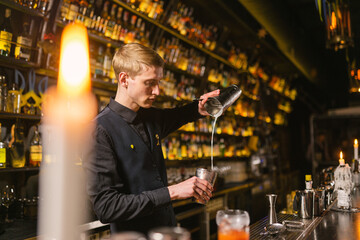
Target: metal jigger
(272, 212)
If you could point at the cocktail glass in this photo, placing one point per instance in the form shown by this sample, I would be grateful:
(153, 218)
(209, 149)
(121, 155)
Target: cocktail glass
(233, 224)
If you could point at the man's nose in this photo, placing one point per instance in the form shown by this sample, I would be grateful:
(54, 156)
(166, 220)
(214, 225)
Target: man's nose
(156, 90)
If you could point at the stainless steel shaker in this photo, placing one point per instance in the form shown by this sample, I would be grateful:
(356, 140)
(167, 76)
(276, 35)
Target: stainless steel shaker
(215, 106)
(303, 203)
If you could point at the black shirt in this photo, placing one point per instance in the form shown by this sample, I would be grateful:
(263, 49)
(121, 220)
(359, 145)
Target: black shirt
(126, 178)
(132, 118)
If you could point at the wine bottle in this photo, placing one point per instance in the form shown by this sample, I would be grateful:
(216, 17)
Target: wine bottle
(6, 34)
(35, 157)
(23, 43)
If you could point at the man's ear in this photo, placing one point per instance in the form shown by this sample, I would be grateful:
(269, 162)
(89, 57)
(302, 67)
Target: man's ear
(123, 79)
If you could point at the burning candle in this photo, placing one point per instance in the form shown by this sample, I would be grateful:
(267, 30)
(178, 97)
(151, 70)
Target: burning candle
(68, 111)
(341, 160)
(356, 149)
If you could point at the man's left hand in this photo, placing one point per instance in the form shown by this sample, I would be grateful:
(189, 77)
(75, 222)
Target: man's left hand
(203, 100)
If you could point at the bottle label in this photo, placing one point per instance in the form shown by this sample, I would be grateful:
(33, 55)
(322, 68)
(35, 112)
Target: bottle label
(343, 199)
(5, 41)
(308, 185)
(72, 14)
(2, 157)
(36, 153)
(22, 49)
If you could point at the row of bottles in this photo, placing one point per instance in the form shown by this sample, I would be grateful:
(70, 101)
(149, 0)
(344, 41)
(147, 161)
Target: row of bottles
(39, 5)
(108, 20)
(14, 147)
(223, 78)
(21, 49)
(191, 146)
(181, 57)
(237, 58)
(227, 126)
(11, 99)
(184, 89)
(280, 85)
(183, 21)
(152, 8)
(101, 63)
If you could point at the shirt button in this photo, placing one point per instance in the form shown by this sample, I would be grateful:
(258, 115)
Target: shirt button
(158, 178)
(154, 165)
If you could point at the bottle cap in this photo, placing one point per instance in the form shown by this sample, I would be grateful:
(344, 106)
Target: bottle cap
(307, 177)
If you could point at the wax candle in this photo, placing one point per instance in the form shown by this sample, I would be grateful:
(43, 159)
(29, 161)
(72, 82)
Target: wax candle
(68, 110)
(356, 149)
(341, 160)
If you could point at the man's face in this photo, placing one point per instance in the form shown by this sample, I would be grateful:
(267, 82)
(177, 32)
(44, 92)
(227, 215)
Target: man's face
(143, 88)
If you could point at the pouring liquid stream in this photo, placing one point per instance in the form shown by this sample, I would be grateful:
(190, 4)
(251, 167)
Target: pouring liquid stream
(212, 143)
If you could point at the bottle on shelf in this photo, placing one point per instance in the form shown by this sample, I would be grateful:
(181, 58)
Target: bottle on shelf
(110, 28)
(73, 11)
(107, 62)
(3, 89)
(35, 156)
(13, 99)
(308, 183)
(23, 43)
(17, 146)
(6, 34)
(2, 151)
(99, 63)
(43, 5)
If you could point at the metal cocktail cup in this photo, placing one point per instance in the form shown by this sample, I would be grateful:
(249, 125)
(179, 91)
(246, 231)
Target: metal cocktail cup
(208, 175)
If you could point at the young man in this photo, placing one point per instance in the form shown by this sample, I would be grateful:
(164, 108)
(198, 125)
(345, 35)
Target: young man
(127, 181)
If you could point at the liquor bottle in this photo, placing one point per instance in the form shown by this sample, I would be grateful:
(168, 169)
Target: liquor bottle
(23, 43)
(2, 152)
(64, 11)
(73, 10)
(111, 22)
(308, 182)
(43, 4)
(90, 11)
(17, 146)
(105, 10)
(14, 99)
(356, 172)
(2, 82)
(144, 5)
(83, 6)
(35, 157)
(6, 34)
(107, 62)
(99, 63)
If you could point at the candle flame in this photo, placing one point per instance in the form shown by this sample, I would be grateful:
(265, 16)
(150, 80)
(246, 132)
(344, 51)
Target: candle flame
(333, 21)
(341, 155)
(74, 73)
(356, 142)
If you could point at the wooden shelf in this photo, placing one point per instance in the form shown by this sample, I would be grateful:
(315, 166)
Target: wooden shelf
(20, 8)
(198, 46)
(12, 62)
(24, 169)
(95, 37)
(6, 115)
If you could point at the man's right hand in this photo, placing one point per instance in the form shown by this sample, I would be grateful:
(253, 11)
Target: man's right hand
(195, 187)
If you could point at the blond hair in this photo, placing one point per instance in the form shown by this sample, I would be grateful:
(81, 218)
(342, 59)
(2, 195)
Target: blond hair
(133, 58)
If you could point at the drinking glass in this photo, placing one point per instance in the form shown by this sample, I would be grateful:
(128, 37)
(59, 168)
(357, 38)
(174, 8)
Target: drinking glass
(233, 224)
(7, 197)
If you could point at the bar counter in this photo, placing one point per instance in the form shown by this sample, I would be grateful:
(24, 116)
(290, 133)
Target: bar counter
(331, 224)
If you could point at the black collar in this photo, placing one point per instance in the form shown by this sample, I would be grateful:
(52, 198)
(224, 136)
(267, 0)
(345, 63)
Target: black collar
(127, 114)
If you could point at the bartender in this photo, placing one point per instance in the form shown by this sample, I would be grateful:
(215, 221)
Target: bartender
(127, 182)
